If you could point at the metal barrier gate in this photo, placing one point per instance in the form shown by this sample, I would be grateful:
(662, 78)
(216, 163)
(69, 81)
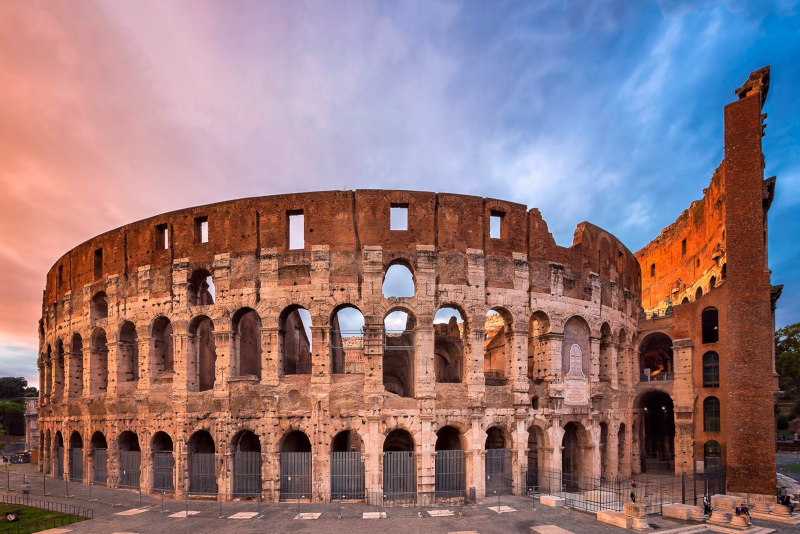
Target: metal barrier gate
(347, 475)
(295, 475)
(451, 473)
(60, 462)
(100, 466)
(499, 475)
(129, 468)
(247, 473)
(399, 474)
(163, 471)
(202, 478)
(76, 464)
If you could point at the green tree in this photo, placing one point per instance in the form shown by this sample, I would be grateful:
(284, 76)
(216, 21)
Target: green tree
(12, 418)
(12, 387)
(787, 357)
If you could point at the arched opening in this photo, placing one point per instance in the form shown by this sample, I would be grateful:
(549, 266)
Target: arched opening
(130, 460)
(59, 448)
(246, 465)
(450, 464)
(76, 366)
(98, 307)
(99, 458)
(295, 466)
(539, 346)
(200, 454)
(576, 456)
(47, 373)
(605, 461)
(575, 349)
(128, 353)
(163, 347)
(685, 300)
(58, 368)
(247, 344)
(711, 370)
(606, 359)
(75, 457)
(711, 415)
(47, 454)
(536, 460)
(347, 466)
(712, 455)
(200, 288)
(399, 465)
(398, 282)
(347, 340)
(163, 462)
(710, 322)
(724, 273)
(712, 283)
(98, 380)
(655, 358)
(496, 346)
(399, 353)
(449, 335)
(295, 343)
(498, 472)
(203, 346)
(698, 293)
(657, 433)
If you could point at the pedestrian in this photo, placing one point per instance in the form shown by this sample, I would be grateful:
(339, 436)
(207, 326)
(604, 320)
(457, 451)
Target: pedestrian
(706, 505)
(633, 497)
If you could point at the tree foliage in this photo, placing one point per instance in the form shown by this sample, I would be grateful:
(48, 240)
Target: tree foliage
(12, 387)
(787, 357)
(12, 418)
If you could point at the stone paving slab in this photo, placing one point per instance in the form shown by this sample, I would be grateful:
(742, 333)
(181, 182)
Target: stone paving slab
(308, 515)
(374, 515)
(502, 509)
(185, 513)
(440, 513)
(550, 529)
(243, 515)
(132, 511)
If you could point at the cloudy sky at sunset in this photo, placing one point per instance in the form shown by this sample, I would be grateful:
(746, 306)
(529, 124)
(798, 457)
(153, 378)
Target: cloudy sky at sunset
(606, 111)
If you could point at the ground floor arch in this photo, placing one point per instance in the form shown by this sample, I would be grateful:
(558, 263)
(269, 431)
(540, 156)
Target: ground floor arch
(130, 460)
(99, 454)
(450, 466)
(296, 467)
(399, 464)
(347, 466)
(76, 457)
(576, 455)
(498, 470)
(246, 464)
(656, 436)
(201, 456)
(163, 462)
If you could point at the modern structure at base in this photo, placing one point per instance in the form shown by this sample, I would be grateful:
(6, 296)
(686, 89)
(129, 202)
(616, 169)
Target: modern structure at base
(259, 346)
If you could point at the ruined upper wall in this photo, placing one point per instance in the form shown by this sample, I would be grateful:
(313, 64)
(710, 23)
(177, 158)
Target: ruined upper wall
(687, 253)
(346, 222)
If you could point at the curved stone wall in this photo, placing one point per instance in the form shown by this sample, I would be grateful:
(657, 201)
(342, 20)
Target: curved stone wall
(136, 345)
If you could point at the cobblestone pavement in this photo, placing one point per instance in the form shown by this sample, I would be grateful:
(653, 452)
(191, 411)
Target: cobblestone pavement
(119, 511)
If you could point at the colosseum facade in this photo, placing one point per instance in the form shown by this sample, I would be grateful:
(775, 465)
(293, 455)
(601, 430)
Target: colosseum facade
(257, 346)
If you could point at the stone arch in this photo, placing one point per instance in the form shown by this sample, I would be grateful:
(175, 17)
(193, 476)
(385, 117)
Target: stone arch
(75, 456)
(399, 351)
(576, 348)
(623, 357)
(497, 345)
(654, 418)
(399, 279)
(200, 288)
(163, 462)
(58, 367)
(98, 381)
(203, 352)
(127, 353)
(539, 455)
(347, 339)
(162, 348)
(655, 358)
(295, 465)
(576, 456)
(247, 464)
(246, 326)
(539, 346)
(201, 462)
(130, 459)
(450, 335)
(607, 370)
(698, 293)
(98, 307)
(450, 461)
(295, 348)
(47, 372)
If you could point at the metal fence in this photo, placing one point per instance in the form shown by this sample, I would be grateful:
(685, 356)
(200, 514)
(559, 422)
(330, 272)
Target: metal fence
(100, 466)
(60, 463)
(450, 472)
(347, 475)
(295, 475)
(247, 473)
(499, 475)
(202, 477)
(398, 340)
(76, 464)
(163, 471)
(129, 468)
(399, 473)
(594, 494)
(73, 514)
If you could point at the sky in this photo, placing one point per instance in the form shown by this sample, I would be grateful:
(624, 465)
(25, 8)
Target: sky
(605, 111)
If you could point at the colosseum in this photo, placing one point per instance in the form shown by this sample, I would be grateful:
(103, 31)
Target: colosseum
(333, 344)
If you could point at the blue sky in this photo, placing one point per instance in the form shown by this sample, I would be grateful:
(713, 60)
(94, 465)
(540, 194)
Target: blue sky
(605, 111)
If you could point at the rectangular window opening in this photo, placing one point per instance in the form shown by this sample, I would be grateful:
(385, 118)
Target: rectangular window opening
(698, 263)
(496, 225)
(98, 263)
(162, 237)
(620, 262)
(296, 230)
(201, 230)
(653, 270)
(60, 275)
(398, 217)
(683, 248)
